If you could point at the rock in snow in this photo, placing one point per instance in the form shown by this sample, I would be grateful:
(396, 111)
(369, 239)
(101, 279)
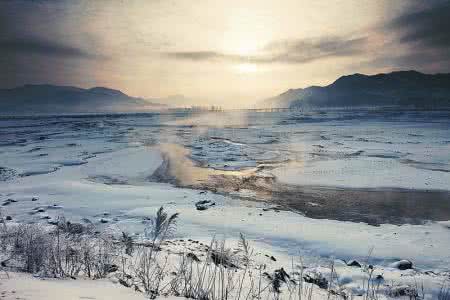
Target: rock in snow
(403, 264)
(193, 257)
(403, 290)
(353, 263)
(204, 204)
(8, 202)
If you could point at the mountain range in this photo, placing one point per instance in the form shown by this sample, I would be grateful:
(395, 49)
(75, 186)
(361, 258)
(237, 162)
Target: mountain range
(45, 98)
(397, 89)
(401, 89)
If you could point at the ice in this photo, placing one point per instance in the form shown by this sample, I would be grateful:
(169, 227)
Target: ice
(135, 164)
(363, 173)
(88, 165)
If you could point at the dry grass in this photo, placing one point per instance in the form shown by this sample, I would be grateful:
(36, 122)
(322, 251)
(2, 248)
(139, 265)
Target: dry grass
(68, 250)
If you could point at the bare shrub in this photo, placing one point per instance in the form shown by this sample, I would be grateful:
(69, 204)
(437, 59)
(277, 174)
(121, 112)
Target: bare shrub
(148, 268)
(161, 226)
(127, 241)
(219, 276)
(444, 291)
(221, 273)
(31, 244)
(61, 251)
(4, 257)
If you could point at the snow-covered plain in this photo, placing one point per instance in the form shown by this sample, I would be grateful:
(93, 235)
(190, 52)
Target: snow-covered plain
(100, 168)
(25, 286)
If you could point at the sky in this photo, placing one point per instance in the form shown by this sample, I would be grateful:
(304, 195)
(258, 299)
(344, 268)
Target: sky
(225, 52)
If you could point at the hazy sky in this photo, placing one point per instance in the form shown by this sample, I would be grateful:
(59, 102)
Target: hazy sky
(228, 52)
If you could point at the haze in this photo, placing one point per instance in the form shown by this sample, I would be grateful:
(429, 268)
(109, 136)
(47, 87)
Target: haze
(231, 53)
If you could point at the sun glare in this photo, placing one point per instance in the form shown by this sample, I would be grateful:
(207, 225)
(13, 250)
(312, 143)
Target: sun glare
(246, 68)
(246, 49)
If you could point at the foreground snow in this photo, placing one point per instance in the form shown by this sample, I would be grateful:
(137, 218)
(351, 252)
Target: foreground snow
(22, 286)
(26, 286)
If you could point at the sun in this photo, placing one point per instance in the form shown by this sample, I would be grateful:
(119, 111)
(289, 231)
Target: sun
(243, 45)
(245, 50)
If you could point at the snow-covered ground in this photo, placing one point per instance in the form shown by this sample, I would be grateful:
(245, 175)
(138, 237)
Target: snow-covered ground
(99, 168)
(26, 287)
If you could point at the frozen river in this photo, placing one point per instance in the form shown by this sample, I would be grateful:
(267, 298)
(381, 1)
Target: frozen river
(360, 149)
(312, 177)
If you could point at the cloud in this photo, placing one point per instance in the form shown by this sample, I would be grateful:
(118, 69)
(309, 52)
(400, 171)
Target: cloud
(417, 38)
(286, 51)
(37, 46)
(33, 45)
(427, 25)
(306, 50)
(34, 27)
(195, 55)
(425, 61)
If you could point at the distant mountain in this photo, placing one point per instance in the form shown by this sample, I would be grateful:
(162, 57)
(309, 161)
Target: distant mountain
(403, 88)
(49, 99)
